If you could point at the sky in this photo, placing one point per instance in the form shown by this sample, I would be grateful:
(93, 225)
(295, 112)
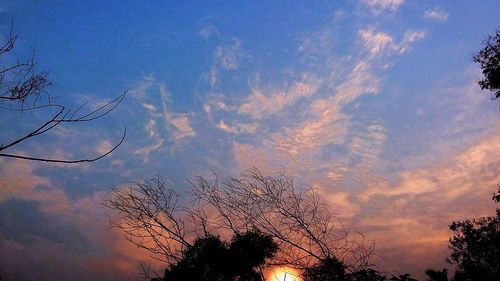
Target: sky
(374, 103)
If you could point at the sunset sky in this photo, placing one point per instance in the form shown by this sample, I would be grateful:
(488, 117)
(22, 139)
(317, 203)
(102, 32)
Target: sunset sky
(372, 102)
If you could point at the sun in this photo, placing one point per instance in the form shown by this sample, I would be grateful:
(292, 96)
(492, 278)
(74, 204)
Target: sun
(284, 274)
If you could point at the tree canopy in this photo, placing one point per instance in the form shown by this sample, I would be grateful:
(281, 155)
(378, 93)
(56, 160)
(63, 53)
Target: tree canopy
(489, 60)
(211, 259)
(303, 227)
(475, 247)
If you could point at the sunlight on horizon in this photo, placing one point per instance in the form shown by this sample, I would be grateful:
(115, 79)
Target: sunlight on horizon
(284, 274)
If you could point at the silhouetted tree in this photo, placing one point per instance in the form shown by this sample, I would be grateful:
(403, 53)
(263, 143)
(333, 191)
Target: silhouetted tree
(327, 270)
(489, 59)
(475, 247)
(437, 275)
(368, 274)
(402, 277)
(304, 228)
(211, 259)
(150, 216)
(22, 89)
(335, 270)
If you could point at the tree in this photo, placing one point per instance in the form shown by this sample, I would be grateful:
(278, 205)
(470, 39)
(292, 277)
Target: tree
(335, 270)
(211, 259)
(475, 247)
(326, 270)
(151, 217)
(23, 89)
(489, 60)
(437, 275)
(304, 228)
(402, 277)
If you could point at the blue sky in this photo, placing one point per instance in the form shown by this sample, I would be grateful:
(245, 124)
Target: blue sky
(372, 102)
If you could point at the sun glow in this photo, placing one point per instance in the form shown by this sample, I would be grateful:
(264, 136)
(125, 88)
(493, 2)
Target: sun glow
(284, 274)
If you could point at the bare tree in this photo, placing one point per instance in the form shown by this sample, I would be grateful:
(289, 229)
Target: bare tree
(23, 89)
(305, 230)
(151, 218)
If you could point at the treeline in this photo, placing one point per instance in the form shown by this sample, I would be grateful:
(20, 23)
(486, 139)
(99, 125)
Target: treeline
(273, 223)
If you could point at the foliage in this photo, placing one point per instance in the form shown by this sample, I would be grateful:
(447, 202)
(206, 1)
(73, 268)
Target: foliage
(335, 270)
(23, 89)
(489, 60)
(328, 270)
(210, 259)
(437, 275)
(305, 230)
(475, 247)
(402, 277)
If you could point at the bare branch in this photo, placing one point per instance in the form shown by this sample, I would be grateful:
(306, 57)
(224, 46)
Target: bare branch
(150, 217)
(22, 88)
(304, 228)
(67, 161)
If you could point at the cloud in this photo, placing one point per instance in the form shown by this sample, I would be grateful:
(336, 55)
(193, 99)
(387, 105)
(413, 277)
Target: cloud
(436, 14)
(19, 180)
(229, 56)
(340, 203)
(328, 124)
(104, 146)
(146, 151)
(260, 105)
(163, 125)
(379, 6)
(307, 123)
(94, 252)
(413, 213)
(178, 123)
(209, 31)
(140, 91)
(71, 241)
(238, 128)
(380, 43)
(410, 37)
(373, 41)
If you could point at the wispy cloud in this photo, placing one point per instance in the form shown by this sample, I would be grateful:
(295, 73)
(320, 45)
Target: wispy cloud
(311, 110)
(178, 123)
(374, 41)
(230, 55)
(380, 43)
(418, 207)
(378, 6)
(410, 37)
(437, 14)
(238, 128)
(163, 125)
(209, 31)
(262, 102)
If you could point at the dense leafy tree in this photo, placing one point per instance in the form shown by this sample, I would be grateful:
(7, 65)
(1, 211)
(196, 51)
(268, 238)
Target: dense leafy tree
(489, 59)
(475, 247)
(402, 277)
(335, 270)
(211, 259)
(437, 275)
(368, 274)
(327, 270)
